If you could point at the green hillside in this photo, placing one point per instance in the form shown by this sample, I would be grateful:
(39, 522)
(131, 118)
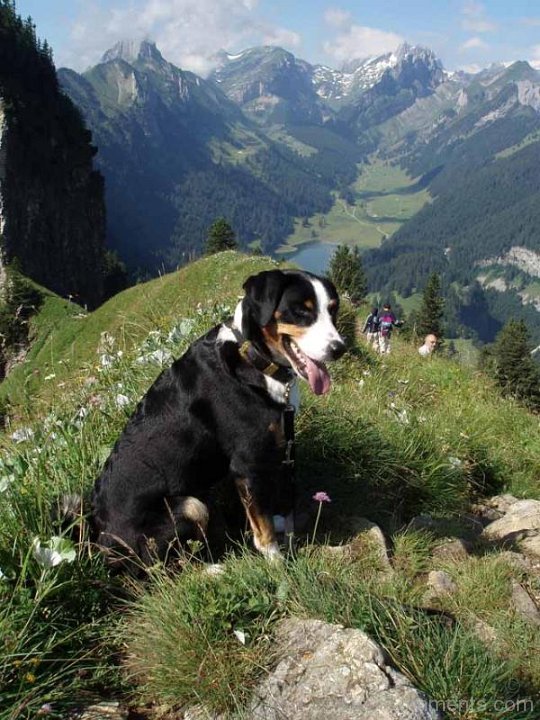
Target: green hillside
(394, 439)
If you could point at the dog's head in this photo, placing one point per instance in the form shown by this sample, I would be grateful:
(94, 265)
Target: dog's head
(291, 315)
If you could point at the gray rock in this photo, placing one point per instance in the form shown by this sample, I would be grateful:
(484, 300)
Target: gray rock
(326, 671)
(531, 545)
(452, 549)
(524, 605)
(106, 710)
(439, 583)
(374, 535)
(523, 515)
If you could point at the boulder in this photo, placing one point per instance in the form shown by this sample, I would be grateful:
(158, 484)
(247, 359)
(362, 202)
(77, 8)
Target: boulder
(522, 516)
(327, 671)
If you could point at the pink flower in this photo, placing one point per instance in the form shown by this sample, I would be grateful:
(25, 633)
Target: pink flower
(321, 497)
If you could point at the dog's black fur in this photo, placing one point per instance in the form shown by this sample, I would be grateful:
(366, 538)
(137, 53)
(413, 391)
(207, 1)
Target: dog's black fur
(209, 416)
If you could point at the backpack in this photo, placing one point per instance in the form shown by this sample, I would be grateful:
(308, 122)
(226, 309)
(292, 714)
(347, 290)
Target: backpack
(386, 322)
(372, 323)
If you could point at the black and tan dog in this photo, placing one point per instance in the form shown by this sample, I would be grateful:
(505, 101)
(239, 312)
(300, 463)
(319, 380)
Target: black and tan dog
(217, 412)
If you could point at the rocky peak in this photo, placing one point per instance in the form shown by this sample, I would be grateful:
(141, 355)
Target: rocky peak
(132, 50)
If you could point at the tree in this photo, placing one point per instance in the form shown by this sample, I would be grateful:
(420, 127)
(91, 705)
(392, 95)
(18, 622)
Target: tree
(429, 318)
(220, 237)
(514, 367)
(347, 273)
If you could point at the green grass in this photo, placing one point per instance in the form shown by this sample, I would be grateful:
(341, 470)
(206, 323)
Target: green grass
(385, 198)
(394, 438)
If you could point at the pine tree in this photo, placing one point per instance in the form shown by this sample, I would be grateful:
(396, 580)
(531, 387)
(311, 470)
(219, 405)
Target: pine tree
(220, 237)
(347, 273)
(515, 369)
(429, 318)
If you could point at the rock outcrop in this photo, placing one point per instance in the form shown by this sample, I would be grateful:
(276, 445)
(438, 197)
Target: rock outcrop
(327, 671)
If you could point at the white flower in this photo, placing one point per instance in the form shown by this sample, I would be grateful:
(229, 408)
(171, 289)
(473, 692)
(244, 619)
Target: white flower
(454, 461)
(402, 417)
(57, 550)
(121, 400)
(22, 434)
(361, 382)
(5, 481)
(240, 636)
(106, 361)
(158, 356)
(50, 377)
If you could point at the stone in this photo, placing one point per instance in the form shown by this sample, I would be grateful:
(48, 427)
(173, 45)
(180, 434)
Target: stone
(523, 515)
(327, 671)
(452, 549)
(367, 530)
(531, 546)
(106, 710)
(439, 583)
(524, 605)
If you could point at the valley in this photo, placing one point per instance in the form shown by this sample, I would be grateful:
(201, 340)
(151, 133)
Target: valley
(382, 198)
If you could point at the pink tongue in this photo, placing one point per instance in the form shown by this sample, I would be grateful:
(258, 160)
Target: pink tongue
(318, 377)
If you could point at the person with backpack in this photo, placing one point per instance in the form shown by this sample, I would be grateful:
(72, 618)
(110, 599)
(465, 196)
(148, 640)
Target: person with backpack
(387, 322)
(371, 328)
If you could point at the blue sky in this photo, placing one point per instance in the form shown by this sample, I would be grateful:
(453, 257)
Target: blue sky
(463, 33)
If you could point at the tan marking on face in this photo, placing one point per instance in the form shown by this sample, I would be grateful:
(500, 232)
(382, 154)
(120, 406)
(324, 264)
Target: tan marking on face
(309, 304)
(291, 330)
(261, 525)
(332, 304)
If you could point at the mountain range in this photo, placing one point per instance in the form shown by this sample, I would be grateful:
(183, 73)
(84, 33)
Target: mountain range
(268, 139)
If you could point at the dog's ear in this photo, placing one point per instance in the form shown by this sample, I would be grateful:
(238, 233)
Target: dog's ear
(263, 293)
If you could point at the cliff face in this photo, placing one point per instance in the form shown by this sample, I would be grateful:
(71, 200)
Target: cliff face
(53, 213)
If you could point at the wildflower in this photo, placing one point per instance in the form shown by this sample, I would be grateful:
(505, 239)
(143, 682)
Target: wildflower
(58, 550)
(106, 361)
(45, 709)
(22, 434)
(454, 461)
(320, 497)
(50, 377)
(121, 400)
(240, 636)
(5, 481)
(30, 677)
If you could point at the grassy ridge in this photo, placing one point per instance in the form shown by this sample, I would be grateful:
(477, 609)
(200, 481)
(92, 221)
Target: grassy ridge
(393, 439)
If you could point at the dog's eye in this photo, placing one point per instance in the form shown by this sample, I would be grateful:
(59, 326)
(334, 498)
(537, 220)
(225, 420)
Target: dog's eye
(303, 311)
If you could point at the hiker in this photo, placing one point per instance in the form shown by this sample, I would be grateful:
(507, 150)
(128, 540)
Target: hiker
(371, 328)
(387, 322)
(430, 343)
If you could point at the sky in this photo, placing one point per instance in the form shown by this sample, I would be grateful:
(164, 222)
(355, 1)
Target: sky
(464, 34)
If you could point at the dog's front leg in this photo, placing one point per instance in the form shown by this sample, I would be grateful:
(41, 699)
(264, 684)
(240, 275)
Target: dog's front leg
(260, 520)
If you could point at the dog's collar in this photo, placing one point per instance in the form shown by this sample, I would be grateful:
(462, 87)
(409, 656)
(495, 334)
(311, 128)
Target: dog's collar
(260, 362)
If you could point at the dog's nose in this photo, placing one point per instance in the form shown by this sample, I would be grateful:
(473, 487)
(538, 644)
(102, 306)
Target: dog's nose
(337, 348)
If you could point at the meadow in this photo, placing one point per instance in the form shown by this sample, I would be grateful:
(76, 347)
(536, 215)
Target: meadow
(396, 438)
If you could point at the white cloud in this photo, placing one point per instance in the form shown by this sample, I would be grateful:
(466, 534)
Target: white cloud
(337, 17)
(474, 43)
(187, 32)
(472, 69)
(361, 42)
(534, 57)
(475, 18)
(282, 37)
